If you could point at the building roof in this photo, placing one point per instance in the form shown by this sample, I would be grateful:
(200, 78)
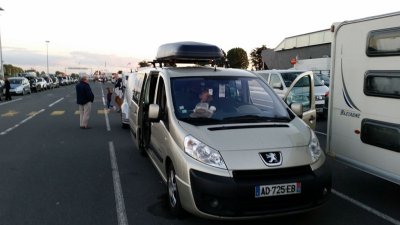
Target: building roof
(305, 40)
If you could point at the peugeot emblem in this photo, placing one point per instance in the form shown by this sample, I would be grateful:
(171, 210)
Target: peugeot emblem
(272, 158)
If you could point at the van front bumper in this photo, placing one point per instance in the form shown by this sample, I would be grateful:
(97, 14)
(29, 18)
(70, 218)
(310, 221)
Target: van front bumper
(235, 196)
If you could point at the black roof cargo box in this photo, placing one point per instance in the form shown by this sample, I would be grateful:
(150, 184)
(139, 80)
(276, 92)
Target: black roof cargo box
(183, 52)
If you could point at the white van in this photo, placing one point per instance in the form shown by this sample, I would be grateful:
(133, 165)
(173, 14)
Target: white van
(128, 83)
(224, 142)
(364, 103)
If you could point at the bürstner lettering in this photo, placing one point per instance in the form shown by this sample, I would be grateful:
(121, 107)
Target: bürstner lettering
(349, 114)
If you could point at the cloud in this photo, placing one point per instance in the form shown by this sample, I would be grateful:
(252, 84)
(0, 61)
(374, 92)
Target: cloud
(29, 59)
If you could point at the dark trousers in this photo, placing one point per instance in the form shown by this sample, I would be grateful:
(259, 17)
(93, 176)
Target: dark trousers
(8, 95)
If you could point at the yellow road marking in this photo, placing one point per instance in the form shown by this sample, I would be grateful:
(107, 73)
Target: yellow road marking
(9, 113)
(32, 113)
(102, 111)
(57, 113)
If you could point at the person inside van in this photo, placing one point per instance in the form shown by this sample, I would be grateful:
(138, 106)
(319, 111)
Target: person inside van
(203, 109)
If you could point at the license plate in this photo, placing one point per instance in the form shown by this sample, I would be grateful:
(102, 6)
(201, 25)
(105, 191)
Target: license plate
(277, 189)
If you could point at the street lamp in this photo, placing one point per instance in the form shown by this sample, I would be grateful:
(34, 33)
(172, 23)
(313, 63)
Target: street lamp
(47, 44)
(1, 54)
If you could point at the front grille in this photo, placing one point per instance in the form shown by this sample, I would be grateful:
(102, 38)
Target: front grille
(240, 175)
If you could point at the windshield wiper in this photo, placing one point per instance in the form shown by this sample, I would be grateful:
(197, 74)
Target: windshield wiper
(254, 118)
(200, 121)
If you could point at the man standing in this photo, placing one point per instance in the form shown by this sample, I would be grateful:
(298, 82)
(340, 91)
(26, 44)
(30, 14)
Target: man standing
(84, 98)
(7, 85)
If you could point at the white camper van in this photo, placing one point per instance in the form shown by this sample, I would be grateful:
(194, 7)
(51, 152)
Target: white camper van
(364, 105)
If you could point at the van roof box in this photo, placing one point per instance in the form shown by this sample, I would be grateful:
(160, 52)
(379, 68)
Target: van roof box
(188, 52)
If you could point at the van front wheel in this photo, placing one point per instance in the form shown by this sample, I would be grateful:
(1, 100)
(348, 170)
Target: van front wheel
(173, 193)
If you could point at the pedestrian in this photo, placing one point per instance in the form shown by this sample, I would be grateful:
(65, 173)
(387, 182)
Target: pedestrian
(119, 91)
(84, 98)
(7, 85)
(109, 95)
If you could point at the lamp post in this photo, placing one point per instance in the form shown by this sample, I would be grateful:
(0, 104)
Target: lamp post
(1, 54)
(47, 45)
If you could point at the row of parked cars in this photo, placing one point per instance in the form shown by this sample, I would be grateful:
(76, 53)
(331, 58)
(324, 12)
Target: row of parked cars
(27, 84)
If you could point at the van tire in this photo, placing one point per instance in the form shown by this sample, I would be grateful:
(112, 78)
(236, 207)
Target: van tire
(174, 202)
(141, 147)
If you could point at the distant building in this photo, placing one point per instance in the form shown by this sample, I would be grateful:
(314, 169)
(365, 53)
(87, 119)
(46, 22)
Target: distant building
(291, 49)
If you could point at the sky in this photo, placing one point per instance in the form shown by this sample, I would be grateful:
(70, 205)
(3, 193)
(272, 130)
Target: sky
(116, 35)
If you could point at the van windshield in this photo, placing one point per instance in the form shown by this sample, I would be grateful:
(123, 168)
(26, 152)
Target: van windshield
(223, 100)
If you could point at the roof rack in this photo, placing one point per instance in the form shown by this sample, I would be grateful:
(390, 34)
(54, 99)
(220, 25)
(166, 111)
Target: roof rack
(188, 52)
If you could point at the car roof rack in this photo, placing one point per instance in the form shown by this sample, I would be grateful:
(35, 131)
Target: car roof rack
(187, 52)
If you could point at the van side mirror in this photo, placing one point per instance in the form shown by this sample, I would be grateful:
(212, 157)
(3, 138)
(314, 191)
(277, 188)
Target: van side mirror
(277, 86)
(297, 108)
(154, 112)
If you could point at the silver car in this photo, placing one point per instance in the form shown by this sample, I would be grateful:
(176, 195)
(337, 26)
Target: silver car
(19, 86)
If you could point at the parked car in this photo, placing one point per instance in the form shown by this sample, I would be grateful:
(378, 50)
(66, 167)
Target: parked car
(56, 82)
(2, 89)
(280, 81)
(324, 78)
(19, 85)
(49, 82)
(223, 141)
(41, 83)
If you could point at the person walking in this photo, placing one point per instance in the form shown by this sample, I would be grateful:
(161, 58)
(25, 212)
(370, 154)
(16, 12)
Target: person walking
(7, 85)
(109, 95)
(84, 98)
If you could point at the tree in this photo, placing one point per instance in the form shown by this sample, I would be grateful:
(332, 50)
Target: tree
(144, 63)
(256, 59)
(10, 70)
(237, 58)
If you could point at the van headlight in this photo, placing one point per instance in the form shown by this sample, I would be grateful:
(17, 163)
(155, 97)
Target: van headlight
(314, 147)
(203, 153)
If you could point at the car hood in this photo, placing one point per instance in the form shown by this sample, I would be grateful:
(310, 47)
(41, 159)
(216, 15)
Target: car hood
(13, 86)
(241, 144)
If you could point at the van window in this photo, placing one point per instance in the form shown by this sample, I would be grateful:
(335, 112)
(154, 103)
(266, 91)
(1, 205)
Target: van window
(289, 77)
(137, 87)
(382, 84)
(300, 93)
(385, 42)
(161, 100)
(274, 79)
(381, 134)
(222, 100)
(265, 76)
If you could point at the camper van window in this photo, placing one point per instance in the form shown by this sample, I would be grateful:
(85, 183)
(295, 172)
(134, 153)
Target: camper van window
(384, 42)
(382, 84)
(381, 134)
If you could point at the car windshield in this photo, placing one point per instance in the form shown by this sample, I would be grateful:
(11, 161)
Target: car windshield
(317, 81)
(223, 100)
(15, 81)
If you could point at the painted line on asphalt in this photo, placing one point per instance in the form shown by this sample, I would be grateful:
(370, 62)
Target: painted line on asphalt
(369, 209)
(20, 123)
(105, 111)
(7, 102)
(59, 100)
(119, 197)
